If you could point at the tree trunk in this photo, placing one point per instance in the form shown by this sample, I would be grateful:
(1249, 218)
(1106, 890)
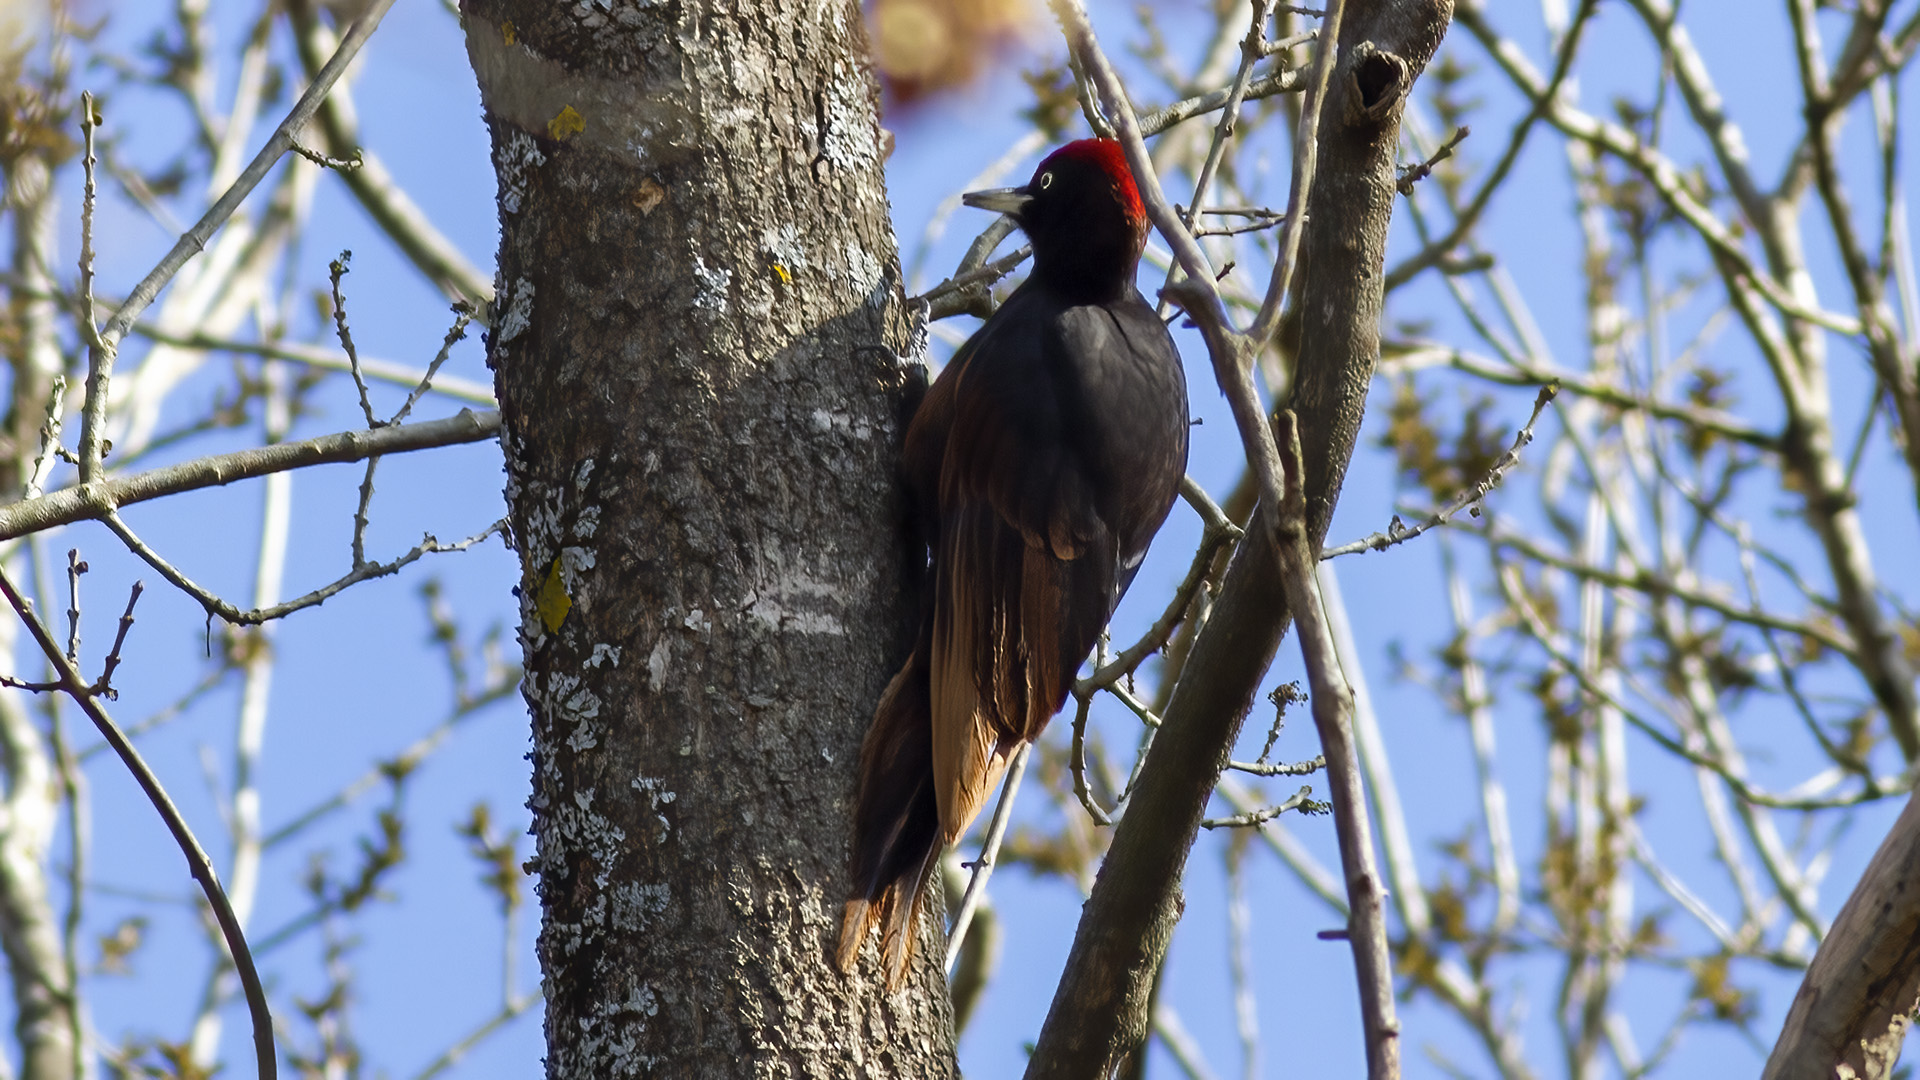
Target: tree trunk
(694, 337)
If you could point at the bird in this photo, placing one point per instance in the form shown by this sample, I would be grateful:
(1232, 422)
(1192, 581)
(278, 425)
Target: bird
(1037, 469)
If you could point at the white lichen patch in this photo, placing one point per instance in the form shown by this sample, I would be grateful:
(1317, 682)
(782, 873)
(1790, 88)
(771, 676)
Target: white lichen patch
(789, 598)
(582, 474)
(587, 523)
(519, 156)
(566, 831)
(783, 246)
(574, 564)
(710, 286)
(571, 703)
(828, 420)
(541, 507)
(636, 905)
(864, 271)
(604, 654)
(584, 704)
(518, 315)
(776, 616)
(639, 1000)
(851, 140)
(602, 14)
(655, 792)
(657, 665)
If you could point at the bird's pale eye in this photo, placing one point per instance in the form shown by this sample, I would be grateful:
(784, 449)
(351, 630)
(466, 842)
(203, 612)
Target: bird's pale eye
(1046, 181)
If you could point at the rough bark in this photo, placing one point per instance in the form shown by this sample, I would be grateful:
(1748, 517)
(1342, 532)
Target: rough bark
(1101, 1008)
(1862, 989)
(694, 341)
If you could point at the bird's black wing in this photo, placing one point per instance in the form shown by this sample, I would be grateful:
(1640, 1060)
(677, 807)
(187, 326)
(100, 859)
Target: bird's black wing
(1065, 442)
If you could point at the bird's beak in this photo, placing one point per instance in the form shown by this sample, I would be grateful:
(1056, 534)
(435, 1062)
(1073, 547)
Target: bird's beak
(1006, 200)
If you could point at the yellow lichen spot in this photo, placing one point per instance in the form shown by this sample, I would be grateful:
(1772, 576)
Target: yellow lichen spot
(566, 125)
(552, 601)
(506, 32)
(785, 278)
(650, 195)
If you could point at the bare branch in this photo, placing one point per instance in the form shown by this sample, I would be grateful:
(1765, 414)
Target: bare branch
(1298, 800)
(218, 608)
(336, 270)
(69, 505)
(1398, 534)
(198, 864)
(385, 370)
(100, 373)
(1413, 174)
(1332, 711)
(1217, 533)
(989, 852)
(398, 216)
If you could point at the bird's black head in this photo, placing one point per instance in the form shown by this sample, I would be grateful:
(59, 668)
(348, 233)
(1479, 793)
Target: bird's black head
(1084, 217)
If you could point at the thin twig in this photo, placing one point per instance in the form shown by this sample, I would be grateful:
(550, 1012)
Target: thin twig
(1399, 534)
(1306, 158)
(75, 567)
(313, 356)
(50, 448)
(1217, 533)
(346, 164)
(1332, 705)
(462, 315)
(191, 243)
(1467, 217)
(1299, 799)
(1077, 763)
(1279, 768)
(221, 609)
(384, 200)
(1414, 356)
(989, 852)
(99, 353)
(73, 504)
(362, 515)
(112, 663)
(336, 270)
(950, 297)
(1413, 174)
(1251, 53)
(198, 864)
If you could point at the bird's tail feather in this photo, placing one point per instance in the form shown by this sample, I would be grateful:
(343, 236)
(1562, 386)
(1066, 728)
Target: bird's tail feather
(896, 825)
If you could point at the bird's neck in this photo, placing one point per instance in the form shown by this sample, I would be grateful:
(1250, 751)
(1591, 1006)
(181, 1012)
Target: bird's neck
(1085, 274)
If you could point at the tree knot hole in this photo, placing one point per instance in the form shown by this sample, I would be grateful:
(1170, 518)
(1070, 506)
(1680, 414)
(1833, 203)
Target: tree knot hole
(1380, 79)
